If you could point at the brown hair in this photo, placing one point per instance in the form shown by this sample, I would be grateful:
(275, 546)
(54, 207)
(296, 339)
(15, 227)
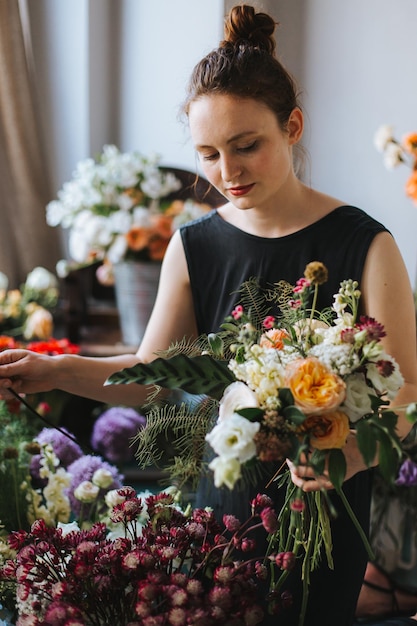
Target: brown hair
(245, 65)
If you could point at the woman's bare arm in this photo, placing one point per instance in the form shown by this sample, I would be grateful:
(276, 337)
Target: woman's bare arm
(172, 319)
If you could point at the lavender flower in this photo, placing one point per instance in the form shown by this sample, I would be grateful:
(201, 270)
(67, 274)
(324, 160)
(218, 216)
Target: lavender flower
(407, 475)
(113, 432)
(83, 469)
(65, 449)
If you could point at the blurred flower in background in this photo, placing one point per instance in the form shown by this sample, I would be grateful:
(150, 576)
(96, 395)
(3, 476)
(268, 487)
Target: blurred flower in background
(27, 312)
(398, 152)
(114, 431)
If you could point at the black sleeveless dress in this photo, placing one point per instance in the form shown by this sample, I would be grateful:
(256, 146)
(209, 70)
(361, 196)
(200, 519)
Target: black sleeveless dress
(220, 258)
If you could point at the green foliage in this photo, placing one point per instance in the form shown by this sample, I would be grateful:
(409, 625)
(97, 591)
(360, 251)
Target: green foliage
(195, 375)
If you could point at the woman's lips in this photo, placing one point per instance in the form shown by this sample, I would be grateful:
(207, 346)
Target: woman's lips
(240, 191)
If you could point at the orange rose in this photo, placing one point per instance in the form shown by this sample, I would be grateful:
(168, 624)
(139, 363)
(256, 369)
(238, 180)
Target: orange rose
(273, 338)
(314, 388)
(327, 431)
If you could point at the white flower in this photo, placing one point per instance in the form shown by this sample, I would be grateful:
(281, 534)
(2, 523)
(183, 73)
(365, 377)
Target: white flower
(226, 471)
(357, 402)
(383, 136)
(40, 279)
(102, 477)
(392, 156)
(39, 324)
(117, 250)
(113, 497)
(383, 384)
(62, 268)
(70, 527)
(233, 438)
(236, 396)
(86, 491)
(4, 281)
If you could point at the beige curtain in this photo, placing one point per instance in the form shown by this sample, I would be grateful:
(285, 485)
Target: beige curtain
(25, 239)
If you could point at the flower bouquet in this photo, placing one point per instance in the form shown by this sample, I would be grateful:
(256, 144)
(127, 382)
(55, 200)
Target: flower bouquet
(396, 152)
(293, 387)
(26, 312)
(116, 210)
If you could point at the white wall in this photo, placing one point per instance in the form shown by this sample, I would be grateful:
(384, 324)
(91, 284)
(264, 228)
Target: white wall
(359, 73)
(115, 70)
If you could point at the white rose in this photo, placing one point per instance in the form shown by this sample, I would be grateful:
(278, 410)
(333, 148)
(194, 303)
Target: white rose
(41, 279)
(233, 438)
(357, 402)
(226, 471)
(102, 477)
(236, 396)
(382, 137)
(113, 497)
(86, 492)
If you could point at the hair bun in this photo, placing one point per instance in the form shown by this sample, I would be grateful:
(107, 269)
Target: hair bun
(244, 25)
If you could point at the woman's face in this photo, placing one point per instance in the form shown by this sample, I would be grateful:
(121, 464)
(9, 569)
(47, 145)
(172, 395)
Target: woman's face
(242, 150)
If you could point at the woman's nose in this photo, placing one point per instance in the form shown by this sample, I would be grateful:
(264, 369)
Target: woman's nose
(230, 169)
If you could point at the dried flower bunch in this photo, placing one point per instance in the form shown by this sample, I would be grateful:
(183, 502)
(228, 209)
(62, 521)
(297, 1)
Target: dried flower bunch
(115, 210)
(27, 311)
(284, 386)
(399, 152)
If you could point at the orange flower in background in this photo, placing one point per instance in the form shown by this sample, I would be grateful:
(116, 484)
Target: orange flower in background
(162, 226)
(410, 143)
(411, 186)
(138, 237)
(314, 387)
(327, 430)
(274, 338)
(157, 248)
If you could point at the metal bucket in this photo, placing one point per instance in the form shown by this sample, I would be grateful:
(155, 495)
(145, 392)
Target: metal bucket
(136, 284)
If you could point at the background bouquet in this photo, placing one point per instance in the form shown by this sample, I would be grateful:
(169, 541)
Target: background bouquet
(290, 387)
(114, 209)
(26, 311)
(396, 152)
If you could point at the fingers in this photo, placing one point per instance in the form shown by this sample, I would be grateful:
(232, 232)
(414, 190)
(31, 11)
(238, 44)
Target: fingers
(303, 476)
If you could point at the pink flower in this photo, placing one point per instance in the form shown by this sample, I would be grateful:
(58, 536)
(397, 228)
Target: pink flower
(301, 285)
(297, 505)
(231, 522)
(269, 520)
(237, 312)
(285, 560)
(268, 322)
(374, 330)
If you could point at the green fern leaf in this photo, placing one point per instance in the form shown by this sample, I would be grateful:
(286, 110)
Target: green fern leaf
(201, 375)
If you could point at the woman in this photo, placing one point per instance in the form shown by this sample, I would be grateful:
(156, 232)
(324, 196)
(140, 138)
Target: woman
(245, 122)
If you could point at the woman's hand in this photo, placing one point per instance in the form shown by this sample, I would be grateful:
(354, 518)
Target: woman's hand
(25, 371)
(303, 475)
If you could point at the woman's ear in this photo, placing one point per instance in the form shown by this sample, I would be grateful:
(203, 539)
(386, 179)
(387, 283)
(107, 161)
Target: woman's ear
(295, 126)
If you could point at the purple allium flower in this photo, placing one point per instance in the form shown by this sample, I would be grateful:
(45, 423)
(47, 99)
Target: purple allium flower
(65, 449)
(407, 475)
(83, 469)
(113, 432)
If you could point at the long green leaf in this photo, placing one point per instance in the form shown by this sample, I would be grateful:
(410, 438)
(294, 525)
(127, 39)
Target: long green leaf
(196, 375)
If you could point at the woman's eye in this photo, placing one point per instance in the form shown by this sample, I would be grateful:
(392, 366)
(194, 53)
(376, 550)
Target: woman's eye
(209, 157)
(248, 147)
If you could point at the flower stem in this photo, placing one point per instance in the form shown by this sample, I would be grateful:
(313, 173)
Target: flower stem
(355, 521)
